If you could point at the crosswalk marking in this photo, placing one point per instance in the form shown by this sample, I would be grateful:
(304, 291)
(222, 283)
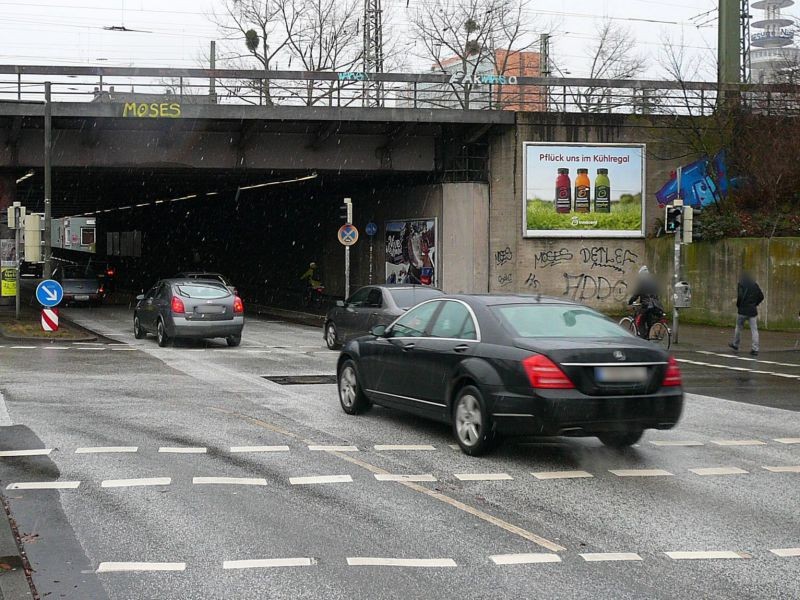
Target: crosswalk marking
(562, 475)
(182, 450)
(320, 479)
(788, 440)
(267, 563)
(676, 443)
(525, 559)
(404, 447)
(393, 477)
(718, 471)
(639, 472)
(236, 449)
(229, 480)
(44, 485)
(738, 442)
(753, 360)
(333, 448)
(609, 556)
(144, 481)
(365, 561)
(785, 469)
(482, 476)
(786, 552)
(730, 368)
(713, 554)
(106, 449)
(122, 567)
(31, 452)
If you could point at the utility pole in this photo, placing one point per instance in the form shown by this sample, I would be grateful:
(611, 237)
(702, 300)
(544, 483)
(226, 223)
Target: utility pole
(544, 65)
(676, 267)
(47, 268)
(744, 42)
(212, 83)
(728, 45)
(373, 51)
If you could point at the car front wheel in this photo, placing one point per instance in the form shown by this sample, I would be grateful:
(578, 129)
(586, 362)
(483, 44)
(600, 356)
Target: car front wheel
(161, 334)
(138, 332)
(351, 396)
(472, 426)
(621, 439)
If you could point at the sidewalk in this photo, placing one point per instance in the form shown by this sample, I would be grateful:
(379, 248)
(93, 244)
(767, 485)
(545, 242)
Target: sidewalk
(704, 337)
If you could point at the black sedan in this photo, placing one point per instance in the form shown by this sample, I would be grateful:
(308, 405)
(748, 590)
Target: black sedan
(370, 306)
(514, 365)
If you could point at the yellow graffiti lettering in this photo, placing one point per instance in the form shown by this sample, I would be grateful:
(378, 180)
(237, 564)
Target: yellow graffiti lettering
(129, 106)
(141, 110)
(176, 109)
(152, 110)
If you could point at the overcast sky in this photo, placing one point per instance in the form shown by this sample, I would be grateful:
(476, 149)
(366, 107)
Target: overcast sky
(70, 32)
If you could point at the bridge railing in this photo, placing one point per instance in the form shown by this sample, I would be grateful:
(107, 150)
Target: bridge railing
(427, 91)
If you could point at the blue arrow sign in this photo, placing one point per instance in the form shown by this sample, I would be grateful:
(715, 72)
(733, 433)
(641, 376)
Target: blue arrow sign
(49, 293)
(371, 229)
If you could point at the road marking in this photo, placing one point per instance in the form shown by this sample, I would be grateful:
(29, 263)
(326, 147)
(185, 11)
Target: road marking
(124, 349)
(713, 554)
(561, 474)
(639, 472)
(235, 449)
(22, 347)
(230, 480)
(5, 418)
(524, 559)
(182, 450)
(55, 347)
(676, 443)
(729, 368)
(738, 442)
(268, 562)
(333, 448)
(788, 440)
(718, 471)
(454, 446)
(320, 479)
(366, 561)
(609, 556)
(104, 449)
(44, 485)
(786, 552)
(121, 567)
(404, 447)
(111, 483)
(755, 360)
(88, 348)
(787, 469)
(34, 452)
(483, 476)
(393, 477)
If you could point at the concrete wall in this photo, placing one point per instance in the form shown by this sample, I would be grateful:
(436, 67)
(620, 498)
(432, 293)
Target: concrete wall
(464, 238)
(713, 269)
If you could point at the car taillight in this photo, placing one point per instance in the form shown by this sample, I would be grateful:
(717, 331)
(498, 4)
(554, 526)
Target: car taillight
(100, 290)
(673, 375)
(544, 374)
(177, 306)
(238, 306)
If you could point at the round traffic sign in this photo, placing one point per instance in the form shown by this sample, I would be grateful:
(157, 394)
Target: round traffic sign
(49, 293)
(348, 234)
(371, 229)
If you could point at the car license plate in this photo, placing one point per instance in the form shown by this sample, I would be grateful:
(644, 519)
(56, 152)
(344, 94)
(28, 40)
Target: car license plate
(81, 298)
(620, 374)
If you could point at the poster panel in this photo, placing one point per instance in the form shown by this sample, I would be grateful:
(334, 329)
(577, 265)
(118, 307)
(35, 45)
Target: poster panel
(583, 190)
(411, 251)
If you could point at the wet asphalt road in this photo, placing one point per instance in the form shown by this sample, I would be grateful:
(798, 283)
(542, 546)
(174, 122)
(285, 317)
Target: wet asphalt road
(124, 409)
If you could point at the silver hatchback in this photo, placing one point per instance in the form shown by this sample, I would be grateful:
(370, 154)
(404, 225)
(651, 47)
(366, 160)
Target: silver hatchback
(185, 308)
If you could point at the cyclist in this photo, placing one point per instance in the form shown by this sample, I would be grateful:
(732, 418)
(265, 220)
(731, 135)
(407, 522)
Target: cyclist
(650, 308)
(312, 279)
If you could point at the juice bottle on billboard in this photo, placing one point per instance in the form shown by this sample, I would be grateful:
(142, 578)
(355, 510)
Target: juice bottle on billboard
(582, 191)
(602, 192)
(563, 192)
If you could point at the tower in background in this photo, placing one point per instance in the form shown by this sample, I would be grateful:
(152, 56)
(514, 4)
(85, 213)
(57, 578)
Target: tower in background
(772, 47)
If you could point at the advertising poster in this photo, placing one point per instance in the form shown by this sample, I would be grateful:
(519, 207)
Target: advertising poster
(8, 281)
(411, 251)
(584, 190)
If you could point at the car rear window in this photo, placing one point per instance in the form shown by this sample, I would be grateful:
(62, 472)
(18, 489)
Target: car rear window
(78, 273)
(408, 297)
(556, 321)
(204, 292)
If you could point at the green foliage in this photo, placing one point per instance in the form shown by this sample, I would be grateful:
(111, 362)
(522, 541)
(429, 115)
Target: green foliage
(624, 216)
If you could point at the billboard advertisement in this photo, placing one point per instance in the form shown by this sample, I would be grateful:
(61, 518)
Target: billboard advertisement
(411, 251)
(583, 190)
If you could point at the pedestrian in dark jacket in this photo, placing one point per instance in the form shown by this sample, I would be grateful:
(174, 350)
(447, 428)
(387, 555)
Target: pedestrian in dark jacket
(748, 297)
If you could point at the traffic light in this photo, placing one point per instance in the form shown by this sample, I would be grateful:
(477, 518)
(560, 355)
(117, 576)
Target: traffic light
(673, 219)
(346, 209)
(688, 224)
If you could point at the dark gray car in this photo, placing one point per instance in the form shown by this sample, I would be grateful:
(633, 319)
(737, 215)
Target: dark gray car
(369, 306)
(185, 308)
(80, 284)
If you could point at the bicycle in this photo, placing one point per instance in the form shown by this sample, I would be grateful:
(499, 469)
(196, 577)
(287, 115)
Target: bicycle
(659, 333)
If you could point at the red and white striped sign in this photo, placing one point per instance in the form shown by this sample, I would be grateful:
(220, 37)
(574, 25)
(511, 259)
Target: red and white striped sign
(50, 319)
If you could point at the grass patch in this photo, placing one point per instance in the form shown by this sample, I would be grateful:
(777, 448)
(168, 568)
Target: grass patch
(624, 216)
(29, 326)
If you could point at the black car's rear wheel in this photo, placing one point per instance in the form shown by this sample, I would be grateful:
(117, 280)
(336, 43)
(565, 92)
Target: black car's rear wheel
(138, 332)
(233, 340)
(620, 439)
(161, 334)
(472, 425)
(351, 396)
(331, 339)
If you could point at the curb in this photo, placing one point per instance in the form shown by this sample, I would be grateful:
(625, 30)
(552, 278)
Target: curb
(14, 583)
(294, 316)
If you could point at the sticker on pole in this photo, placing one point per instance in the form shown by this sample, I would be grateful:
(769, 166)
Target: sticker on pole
(49, 293)
(50, 319)
(348, 234)
(371, 229)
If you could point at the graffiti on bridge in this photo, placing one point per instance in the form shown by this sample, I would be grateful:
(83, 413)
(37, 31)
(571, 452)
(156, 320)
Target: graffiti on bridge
(532, 281)
(589, 287)
(605, 258)
(551, 258)
(504, 256)
(505, 280)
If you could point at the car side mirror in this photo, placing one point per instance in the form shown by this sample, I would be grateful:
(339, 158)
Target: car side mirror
(140, 297)
(378, 330)
(340, 303)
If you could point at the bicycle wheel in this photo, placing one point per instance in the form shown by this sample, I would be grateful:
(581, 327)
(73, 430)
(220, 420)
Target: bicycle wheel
(661, 335)
(628, 325)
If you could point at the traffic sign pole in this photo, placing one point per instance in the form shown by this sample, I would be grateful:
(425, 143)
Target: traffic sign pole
(17, 216)
(371, 230)
(349, 203)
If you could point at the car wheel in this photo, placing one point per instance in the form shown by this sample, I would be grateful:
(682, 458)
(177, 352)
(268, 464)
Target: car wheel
(351, 396)
(331, 339)
(472, 425)
(138, 332)
(234, 340)
(161, 334)
(620, 439)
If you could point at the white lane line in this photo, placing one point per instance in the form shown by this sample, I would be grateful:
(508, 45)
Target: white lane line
(718, 471)
(609, 556)
(788, 440)
(454, 446)
(562, 474)
(729, 368)
(230, 480)
(55, 347)
(182, 450)
(675, 443)
(88, 348)
(786, 552)
(124, 349)
(104, 449)
(34, 452)
(320, 479)
(404, 447)
(754, 360)
(22, 347)
(524, 559)
(713, 554)
(268, 562)
(399, 477)
(333, 448)
(122, 567)
(483, 476)
(5, 418)
(786, 469)
(111, 483)
(44, 485)
(639, 472)
(235, 449)
(85, 343)
(738, 442)
(366, 561)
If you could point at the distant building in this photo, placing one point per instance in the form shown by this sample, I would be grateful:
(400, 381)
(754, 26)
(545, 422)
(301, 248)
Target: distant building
(772, 49)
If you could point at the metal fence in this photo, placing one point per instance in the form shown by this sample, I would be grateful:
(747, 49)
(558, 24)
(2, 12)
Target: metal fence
(390, 90)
